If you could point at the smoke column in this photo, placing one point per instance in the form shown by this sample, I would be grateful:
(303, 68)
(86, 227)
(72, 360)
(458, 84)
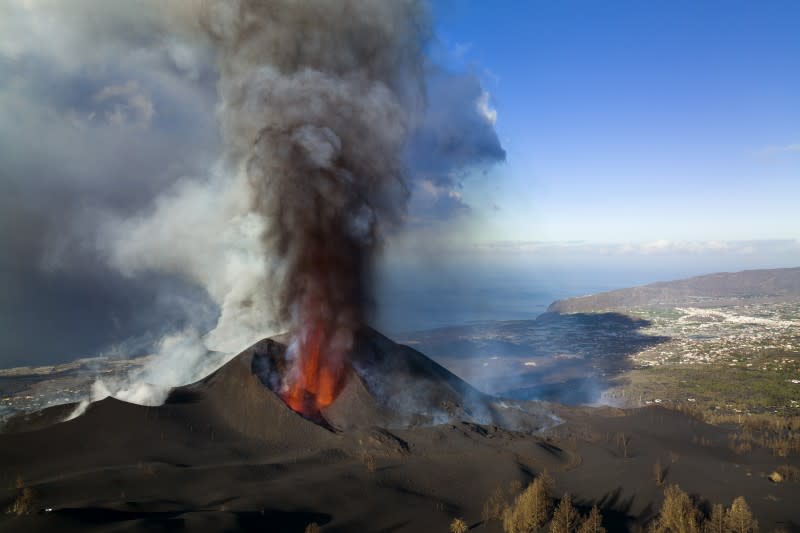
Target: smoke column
(317, 102)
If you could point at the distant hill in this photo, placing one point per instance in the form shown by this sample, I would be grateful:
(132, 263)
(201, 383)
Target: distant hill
(712, 289)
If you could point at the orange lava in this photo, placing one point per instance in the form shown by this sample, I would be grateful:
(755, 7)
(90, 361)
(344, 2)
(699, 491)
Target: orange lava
(319, 374)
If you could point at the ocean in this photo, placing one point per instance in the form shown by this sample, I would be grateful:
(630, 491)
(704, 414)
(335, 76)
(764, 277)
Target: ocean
(421, 299)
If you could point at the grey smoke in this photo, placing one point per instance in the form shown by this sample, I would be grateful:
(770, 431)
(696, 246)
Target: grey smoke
(328, 114)
(317, 103)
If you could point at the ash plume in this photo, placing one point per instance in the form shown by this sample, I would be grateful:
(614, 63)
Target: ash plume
(317, 102)
(107, 116)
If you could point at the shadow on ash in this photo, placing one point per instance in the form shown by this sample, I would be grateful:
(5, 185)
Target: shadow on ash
(386, 385)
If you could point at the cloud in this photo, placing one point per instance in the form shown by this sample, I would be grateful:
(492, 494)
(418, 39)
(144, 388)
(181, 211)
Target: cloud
(649, 248)
(432, 201)
(485, 109)
(786, 148)
(456, 138)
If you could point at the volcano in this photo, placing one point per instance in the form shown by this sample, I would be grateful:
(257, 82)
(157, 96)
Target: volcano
(405, 446)
(385, 385)
(229, 453)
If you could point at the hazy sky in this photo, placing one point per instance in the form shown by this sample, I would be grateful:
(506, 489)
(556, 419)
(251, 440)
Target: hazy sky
(633, 122)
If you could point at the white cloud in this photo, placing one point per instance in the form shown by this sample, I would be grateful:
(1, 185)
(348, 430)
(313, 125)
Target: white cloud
(485, 109)
(651, 248)
(782, 149)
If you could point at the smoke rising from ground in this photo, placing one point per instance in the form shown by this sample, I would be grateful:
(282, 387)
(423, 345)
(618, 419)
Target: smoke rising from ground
(329, 116)
(317, 102)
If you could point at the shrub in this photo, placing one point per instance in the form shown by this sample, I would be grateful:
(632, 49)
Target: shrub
(369, 461)
(788, 472)
(458, 526)
(658, 473)
(775, 477)
(23, 503)
(622, 443)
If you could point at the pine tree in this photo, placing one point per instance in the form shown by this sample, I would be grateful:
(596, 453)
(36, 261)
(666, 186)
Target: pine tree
(739, 519)
(495, 506)
(593, 522)
(716, 522)
(565, 517)
(678, 515)
(531, 509)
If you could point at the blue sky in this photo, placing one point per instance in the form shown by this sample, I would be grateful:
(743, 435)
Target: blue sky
(635, 121)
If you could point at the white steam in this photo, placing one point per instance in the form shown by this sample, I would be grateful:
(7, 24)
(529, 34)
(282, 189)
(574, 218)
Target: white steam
(201, 230)
(180, 358)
